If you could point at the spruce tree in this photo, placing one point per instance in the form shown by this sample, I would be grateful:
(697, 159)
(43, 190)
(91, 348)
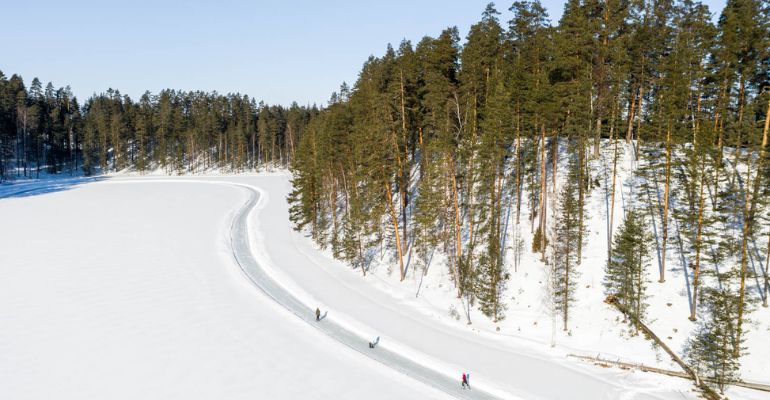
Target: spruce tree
(625, 279)
(710, 350)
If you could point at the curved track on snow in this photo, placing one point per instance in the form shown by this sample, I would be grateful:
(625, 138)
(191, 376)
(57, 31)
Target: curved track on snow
(239, 239)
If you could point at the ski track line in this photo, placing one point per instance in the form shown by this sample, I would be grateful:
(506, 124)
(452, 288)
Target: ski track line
(242, 254)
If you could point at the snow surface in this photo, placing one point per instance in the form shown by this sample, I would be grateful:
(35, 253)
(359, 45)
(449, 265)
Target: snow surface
(128, 289)
(498, 365)
(432, 325)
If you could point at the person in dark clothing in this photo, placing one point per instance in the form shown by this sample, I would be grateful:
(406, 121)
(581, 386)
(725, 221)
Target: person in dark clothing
(465, 381)
(317, 314)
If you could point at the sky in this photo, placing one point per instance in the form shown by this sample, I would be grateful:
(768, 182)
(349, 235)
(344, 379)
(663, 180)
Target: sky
(276, 51)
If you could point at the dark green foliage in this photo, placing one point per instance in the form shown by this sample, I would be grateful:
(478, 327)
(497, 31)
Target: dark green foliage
(711, 349)
(626, 272)
(537, 241)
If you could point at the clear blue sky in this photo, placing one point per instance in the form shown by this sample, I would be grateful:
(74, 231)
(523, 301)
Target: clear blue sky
(277, 51)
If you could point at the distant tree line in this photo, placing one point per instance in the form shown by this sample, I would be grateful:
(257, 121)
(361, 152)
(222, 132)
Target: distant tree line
(47, 130)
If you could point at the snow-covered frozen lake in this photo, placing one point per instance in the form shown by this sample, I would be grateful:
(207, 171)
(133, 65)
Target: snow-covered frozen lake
(129, 291)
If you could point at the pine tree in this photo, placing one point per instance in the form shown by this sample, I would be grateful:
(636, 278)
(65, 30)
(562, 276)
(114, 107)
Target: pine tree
(564, 246)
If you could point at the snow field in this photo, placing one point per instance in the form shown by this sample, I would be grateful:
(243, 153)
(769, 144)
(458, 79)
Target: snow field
(129, 291)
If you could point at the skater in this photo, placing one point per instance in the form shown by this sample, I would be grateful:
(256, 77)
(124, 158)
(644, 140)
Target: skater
(465, 381)
(317, 314)
(374, 343)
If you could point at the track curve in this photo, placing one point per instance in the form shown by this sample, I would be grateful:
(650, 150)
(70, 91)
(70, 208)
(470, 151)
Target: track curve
(239, 240)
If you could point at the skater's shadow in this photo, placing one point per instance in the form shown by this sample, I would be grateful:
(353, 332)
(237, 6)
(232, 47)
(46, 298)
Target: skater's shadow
(321, 318)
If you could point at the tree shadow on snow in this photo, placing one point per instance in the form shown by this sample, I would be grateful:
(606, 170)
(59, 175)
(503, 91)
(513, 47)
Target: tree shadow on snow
(40, 187)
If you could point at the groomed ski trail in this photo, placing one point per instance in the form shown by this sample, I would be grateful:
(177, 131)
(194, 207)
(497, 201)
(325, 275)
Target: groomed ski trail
(239, 239)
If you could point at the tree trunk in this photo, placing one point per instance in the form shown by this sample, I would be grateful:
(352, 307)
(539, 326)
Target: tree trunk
(543, 192)
(458, 221)
(597, 136)
(568, 250)
(333, 204)
(756, 190)
(638, 146)
(518, 164)
(394, 218)
(631, 105)
(404, 173)
(698, 242)
(744, 260)
(554, 160)
(581, 197)
(767, 274)
(665, 204)
(612, 196)
(719, 126)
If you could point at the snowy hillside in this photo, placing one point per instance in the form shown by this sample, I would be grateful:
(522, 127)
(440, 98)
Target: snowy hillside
(596, 328)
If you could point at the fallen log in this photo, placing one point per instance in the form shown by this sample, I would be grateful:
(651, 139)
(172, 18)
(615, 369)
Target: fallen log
(646, 368)
(707, 391)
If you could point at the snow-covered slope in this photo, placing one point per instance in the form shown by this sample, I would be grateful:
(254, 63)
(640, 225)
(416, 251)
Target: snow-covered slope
(409, 325)
(374, 302)
(129, 290)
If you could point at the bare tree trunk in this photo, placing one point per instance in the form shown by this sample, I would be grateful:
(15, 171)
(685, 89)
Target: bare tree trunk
(639, 123)
(333, 203)
(543, 192)
(756, 190)
(565, 299)
(458, 220)
(518, 163)
(767, 274)
(345, 187)
(719, 125)
(744, 259)
(665, 204)
(554, 160)
(581, 196)
(631, 105)
(470, 181)
(500, 228)
(698, 242)
(70, 145)
(254, 150)
(394, 218)
(612, 197)
(404, 171)
(598, 136)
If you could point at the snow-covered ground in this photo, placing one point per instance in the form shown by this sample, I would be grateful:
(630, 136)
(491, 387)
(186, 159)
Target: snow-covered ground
(529, 326)
(126, 289)
(374, 302)
(129, 291)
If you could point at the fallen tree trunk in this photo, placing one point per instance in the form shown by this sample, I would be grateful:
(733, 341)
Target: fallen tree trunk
(707, 391)
(646, 368)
